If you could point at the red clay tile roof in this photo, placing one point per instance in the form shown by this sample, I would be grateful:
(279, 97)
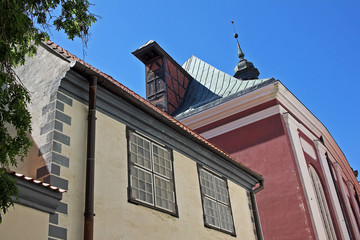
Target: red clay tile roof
(169, 119)
(34, 181)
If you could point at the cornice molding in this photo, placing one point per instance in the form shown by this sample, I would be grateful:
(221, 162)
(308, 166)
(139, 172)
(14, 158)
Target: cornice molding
(228, 108)
(310, 122)
(307, 122)
(243, 121)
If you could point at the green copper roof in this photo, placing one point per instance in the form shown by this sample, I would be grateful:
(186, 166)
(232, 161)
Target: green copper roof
(211, 86)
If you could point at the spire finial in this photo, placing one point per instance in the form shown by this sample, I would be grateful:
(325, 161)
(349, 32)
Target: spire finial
(241, 54)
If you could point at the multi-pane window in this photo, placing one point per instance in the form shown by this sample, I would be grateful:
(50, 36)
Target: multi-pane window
(216, 201)
(151, 174)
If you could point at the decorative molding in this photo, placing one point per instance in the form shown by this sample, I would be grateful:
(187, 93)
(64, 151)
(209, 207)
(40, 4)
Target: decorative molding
(278, 91)
(308, 148)
(314, 211)
(243, 121)
(230, 107)
(321, 149)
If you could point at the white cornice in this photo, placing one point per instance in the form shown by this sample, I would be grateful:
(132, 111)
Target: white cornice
(310, 122)
(252, 99)
(228, 108)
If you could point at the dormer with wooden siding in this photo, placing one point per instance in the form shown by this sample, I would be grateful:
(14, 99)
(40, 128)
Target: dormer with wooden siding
(166, 80)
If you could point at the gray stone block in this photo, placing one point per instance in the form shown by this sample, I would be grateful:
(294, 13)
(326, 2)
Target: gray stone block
(60, 106)
(49, 136)
(55, 169)
(63, 117)
(57, 182)
(53, 96)
(58, 126)
(43, 171)
(47, 128)
(54, 218)
(45, 149)
(62, 208)
(57, 232)
(64, 99)
(60, 159)
(61, 138)
(48, 108)
(56, 147)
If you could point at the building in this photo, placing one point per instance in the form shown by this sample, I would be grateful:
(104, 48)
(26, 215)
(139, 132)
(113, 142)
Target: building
(311, 191)
(144, 174)
(29, 218)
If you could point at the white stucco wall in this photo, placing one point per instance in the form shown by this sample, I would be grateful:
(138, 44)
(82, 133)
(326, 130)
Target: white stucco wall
(41, 76)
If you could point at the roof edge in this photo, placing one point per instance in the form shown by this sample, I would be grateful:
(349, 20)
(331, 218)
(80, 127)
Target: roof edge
(154, 46)
(122, 91)
(36, 194)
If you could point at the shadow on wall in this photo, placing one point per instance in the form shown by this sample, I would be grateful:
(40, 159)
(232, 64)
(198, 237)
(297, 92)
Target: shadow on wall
(32, 162)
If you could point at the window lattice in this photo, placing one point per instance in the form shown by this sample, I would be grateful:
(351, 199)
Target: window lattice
(216, 202)
(151, 173)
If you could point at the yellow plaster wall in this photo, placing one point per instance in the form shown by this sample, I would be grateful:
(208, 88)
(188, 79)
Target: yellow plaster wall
(24, 223)
(75, 174)
(116, 218)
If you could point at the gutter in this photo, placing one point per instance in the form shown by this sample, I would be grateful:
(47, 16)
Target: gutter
(89, 214)
(259, 233)
(90, 162)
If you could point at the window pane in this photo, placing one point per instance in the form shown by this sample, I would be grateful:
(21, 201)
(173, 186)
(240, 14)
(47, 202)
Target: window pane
(141, 185)
(164, 194)
(211, 212)
(140, 151)
(162, 161)
(221, 190)
(225, 218)
(207, 183)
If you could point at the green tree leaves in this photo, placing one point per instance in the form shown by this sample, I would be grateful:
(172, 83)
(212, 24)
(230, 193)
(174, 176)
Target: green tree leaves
(23, 25)
(8, 189)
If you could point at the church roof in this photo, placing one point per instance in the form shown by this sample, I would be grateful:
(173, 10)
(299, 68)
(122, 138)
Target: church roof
(211, 87)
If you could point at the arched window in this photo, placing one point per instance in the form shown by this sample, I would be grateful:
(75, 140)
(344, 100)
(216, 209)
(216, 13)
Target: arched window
(321, 200)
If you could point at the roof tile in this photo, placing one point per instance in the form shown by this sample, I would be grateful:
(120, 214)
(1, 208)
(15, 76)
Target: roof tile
(34, 181)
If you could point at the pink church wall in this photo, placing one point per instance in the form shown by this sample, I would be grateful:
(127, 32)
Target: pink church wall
(265, 148)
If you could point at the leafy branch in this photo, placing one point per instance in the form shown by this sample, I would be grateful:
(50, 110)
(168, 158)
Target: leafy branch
(24, 24)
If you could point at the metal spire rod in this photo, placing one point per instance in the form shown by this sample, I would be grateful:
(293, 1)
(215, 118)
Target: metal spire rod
(240, 52)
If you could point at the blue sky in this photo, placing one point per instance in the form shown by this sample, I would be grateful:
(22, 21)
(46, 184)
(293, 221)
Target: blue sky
(312, 47)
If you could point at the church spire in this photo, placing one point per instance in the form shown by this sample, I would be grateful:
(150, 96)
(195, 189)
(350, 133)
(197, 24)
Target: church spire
(245, 69)
(240, 52)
